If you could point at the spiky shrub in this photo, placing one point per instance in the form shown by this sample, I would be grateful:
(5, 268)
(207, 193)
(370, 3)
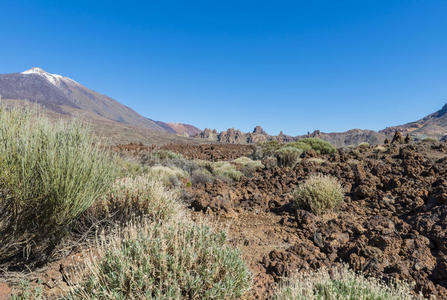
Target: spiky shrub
(178, 260)
(319, 193)
(320, 146)
(226, 170)
(49, 175)
(134, 198)
(341, 283)
(288, 156)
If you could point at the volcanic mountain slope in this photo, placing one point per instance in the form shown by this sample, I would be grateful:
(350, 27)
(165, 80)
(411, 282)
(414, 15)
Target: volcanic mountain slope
(62, 97)
(180, 128)
(433, 125)
(57, 93)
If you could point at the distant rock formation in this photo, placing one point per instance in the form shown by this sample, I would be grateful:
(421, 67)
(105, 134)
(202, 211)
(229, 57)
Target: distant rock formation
(233, 136)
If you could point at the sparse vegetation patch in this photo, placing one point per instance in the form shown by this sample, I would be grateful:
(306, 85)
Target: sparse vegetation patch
(319, 193)
(342, 284)
(288, 156)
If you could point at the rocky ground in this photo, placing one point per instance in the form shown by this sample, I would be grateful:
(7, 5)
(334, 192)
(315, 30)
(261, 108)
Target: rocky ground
(391, 225)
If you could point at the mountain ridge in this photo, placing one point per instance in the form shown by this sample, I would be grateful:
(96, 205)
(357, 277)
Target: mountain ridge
(57, 93)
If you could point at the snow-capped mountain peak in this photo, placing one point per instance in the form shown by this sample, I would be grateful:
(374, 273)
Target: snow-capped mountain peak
(52, 78)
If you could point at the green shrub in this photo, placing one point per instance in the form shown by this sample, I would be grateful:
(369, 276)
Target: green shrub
(299, 145)
(28, 291)
(166, 154)
(130, 197)
(129, 167)
(178, 260)
(266, 149)
(288, 156)
(49, 175)
(320, 146)
(319, 194)
(225, 169)
(168, 175)
(342, 284)
(249, 163)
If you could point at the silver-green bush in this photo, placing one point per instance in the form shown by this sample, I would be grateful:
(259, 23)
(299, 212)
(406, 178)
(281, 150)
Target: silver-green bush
(225, 169)
(178, 260)
(132, 198)
(319, 194)
(49, 175)
(340, 284)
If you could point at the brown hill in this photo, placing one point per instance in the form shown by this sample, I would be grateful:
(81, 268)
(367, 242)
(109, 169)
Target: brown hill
(432, 126)
(180, 128)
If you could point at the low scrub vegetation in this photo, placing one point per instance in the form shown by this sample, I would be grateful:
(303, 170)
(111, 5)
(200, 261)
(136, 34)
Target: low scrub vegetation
(363, 145)
(288, 156)
(319, 193)
(49, 175)
(320, 146)
(166, 154)
(168, 175)
(170, 260)
(275, 149)
(249, 163)
(342, 284)
(225, 170)
(133, 198)
(201, 176)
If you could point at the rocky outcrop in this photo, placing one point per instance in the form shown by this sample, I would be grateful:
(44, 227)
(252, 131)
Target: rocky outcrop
(340, 139)
(234, 136)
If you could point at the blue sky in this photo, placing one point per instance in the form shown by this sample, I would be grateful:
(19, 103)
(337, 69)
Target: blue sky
(294, 66)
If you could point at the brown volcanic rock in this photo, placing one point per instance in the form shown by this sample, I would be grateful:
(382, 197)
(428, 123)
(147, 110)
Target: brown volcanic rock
(391, 225)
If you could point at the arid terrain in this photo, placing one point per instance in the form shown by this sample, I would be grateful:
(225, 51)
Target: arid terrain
(392, 223)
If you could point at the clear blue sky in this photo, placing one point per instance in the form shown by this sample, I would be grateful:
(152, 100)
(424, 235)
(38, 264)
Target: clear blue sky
(294, 66)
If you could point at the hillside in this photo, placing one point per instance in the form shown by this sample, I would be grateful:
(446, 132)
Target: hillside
(62, 97)
(55, 91)
(434, 126)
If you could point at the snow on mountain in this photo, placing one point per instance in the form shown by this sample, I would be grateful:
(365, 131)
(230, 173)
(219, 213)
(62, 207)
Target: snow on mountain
(53, 78)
